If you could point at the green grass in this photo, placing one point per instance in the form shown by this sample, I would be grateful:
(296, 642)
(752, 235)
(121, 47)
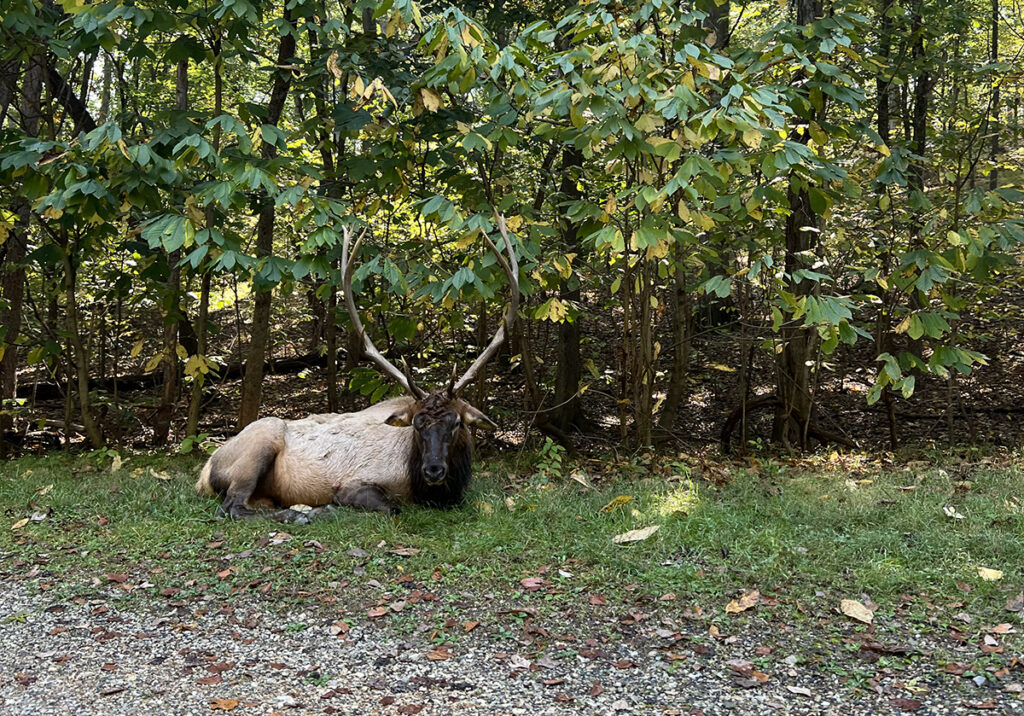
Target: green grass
(792, 532)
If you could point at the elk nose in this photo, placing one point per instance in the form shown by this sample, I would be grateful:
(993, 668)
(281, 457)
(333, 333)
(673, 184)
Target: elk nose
(434, 473)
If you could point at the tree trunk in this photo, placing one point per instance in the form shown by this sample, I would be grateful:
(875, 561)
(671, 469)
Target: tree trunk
(12, 272)
(567, 410)
(994, 123)
(78, 352)
(171, 368)
(252, 383)
(203, 319)
(682, 315)
(799, 345)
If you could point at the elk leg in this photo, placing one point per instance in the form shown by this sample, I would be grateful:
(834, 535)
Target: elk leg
(365, 497)
(238, 474)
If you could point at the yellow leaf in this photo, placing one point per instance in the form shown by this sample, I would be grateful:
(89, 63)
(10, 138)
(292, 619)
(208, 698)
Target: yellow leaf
(357, 88)
(431, 99)
(514, 223)
(19, 524)
(745, 602)
(617, 502)
(136, 349)
(153, 363)
(635, 535)
(989, 575)
(332, 65)
(181, 351)
(855, 610)
(610, 207)
(883, 150)
(683, 211)
(752, 138)
(224, 704)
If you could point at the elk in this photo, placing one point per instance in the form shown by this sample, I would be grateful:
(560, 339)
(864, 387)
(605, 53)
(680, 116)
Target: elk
(417, 448)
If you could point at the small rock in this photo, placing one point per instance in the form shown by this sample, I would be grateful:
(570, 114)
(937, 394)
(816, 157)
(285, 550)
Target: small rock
(979, 680)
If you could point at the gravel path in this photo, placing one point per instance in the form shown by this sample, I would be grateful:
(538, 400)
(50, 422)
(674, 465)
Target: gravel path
(93, 658)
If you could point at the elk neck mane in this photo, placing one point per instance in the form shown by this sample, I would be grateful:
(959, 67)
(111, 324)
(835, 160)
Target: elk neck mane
(460, 463)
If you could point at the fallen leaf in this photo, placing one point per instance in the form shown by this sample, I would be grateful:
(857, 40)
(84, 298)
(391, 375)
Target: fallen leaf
(596, 689)
(43, 490)
(597, 600)
(470, 626)
(989, 705)
(1002, 629)
(377, 612)
(221, 666)
(532, 584)
(404, 551)
(1015, 604)
(989, 575)
(19, 524)
(580, 477)
(749, 599)
(635, 535)
(117, 577)
(855, 610)
(952, 513)
(224, 704)
(617, 502)
(800, 690)
(210, 680)
(410, 709)
(903, 704)
(441, 653)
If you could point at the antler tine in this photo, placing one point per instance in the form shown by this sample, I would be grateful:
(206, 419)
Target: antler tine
(511, 267)
(350, 302)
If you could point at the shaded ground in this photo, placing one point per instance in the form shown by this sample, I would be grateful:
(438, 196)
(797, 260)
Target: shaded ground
(120, 594)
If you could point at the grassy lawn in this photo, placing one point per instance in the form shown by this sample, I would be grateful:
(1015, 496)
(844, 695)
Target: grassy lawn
(807, 533)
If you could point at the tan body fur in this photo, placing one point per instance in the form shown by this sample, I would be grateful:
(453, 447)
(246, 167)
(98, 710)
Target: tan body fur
(316, 457)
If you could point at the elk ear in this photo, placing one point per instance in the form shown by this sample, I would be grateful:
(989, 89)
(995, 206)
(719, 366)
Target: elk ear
(473, 418)
(401, 418)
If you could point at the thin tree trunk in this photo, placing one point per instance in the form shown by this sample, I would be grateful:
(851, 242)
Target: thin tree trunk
(799, 345)
(567, 410)
(681, 322)
(12, 272)
(202, 321)
(994, 123)
(78, 352)
(252, 383)
(171, 368)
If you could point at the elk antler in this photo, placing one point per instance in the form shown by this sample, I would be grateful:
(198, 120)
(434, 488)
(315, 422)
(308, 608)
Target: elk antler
(350, 302)
(511, 267)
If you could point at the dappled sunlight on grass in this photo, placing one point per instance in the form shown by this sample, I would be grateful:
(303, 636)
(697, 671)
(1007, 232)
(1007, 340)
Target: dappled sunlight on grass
(681, 500)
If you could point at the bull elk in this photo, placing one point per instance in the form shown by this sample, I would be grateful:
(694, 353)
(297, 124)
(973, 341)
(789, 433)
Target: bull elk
(414, 449)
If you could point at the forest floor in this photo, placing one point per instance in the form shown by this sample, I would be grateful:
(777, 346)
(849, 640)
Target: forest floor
(840, 583)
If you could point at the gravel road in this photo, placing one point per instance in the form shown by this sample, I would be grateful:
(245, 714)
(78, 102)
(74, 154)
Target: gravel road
(91, 657)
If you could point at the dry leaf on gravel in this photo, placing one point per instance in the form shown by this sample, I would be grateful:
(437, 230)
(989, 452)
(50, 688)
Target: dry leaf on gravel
(224, 704)
(855, 610)
(749, 599)
(635, 535)
(903, 704)
(800, 690)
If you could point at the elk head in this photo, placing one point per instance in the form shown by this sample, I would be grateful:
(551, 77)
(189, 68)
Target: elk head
(441, 460)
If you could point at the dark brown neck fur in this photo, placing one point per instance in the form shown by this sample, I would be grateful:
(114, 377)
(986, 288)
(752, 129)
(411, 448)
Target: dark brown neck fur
(452, 491)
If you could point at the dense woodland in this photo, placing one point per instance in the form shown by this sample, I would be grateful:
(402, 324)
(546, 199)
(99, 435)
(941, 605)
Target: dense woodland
(781, 223)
